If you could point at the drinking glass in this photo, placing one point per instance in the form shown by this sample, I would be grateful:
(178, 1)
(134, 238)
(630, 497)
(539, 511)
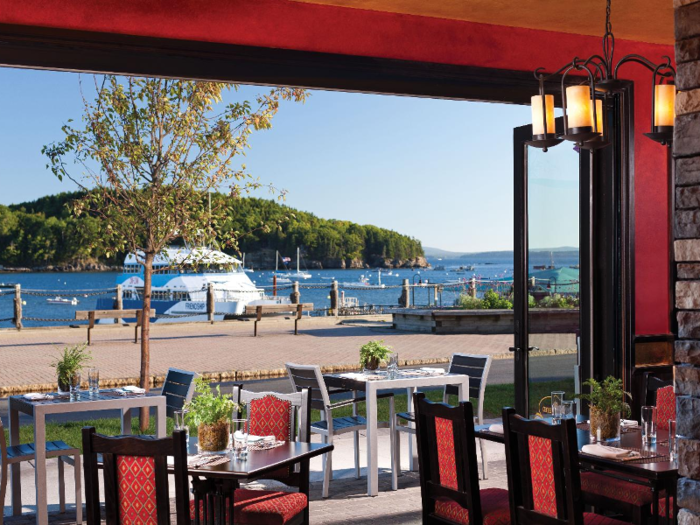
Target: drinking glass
(568, 410)
(393, 366)
(240, 438)
(74, 384)
(672, 440)
(94, 381)
(181, 424)
(648, 425)
(557, 401)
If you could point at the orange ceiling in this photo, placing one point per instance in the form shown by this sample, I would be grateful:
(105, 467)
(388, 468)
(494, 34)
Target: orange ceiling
(641, 20)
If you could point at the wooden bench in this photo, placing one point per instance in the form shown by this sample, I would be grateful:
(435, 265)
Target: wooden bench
(92, 315)
(265, 309)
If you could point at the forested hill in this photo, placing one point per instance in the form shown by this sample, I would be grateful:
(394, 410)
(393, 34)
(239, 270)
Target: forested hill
(43, 233)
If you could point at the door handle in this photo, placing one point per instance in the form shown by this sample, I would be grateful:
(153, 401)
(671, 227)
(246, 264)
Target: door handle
(531, 348)
(513, 349)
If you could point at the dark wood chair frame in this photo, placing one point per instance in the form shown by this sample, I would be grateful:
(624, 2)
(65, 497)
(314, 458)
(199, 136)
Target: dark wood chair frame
(651, 384)
(567, 477)
(467, 494)
(159, 449)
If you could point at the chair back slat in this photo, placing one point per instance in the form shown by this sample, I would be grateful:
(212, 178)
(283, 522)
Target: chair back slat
(178, 388)
(309, 376)
(543, 475)
(447, 457)
(135, 471)
(477, 368)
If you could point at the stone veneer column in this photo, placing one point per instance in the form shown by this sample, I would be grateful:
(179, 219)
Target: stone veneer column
(686, 151)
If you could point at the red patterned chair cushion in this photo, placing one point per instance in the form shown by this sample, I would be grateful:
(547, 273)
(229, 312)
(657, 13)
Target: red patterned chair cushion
(616, 489)
(136, 490)
(662, 505)
(494, 507)
(262, 507)
(446, 453)
(542, 473)
(270, 416)
(665, 406)
(596, 519)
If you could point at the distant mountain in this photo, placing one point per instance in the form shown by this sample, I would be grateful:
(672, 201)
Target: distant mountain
(537, 255)
(445, 254)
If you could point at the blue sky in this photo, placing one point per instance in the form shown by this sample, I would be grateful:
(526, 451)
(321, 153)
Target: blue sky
(438, 170)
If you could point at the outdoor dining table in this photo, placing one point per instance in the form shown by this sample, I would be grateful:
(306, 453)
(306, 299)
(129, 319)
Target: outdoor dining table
(371, 384)
(658, 471)
(64, 404)
(223, 478)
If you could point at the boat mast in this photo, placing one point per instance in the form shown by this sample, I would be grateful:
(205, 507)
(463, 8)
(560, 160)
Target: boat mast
(277, 258)
(297, 260)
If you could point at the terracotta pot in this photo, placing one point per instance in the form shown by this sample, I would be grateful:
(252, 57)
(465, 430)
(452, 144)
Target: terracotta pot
(607, 422)
(214, 437)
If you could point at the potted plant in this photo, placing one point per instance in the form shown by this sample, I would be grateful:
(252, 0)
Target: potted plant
(607, 401)
(373, 353)
(68, 366)
(211, 411)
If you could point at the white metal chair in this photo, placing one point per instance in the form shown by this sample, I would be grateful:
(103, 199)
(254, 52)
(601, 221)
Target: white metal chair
(309, 376)
(477, 368)
(54, 449)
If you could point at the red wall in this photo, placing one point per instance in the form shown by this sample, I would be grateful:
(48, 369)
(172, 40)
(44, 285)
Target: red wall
(291, 25)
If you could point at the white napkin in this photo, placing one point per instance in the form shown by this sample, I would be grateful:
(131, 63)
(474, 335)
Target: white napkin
(36, 396)
(436, 371)
(353, 375)
(629, 423)
(132, 390)
(496, 428)
(254, 439)
(603, 451)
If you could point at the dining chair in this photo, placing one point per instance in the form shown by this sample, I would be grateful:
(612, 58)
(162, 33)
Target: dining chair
(665, 406)
(287, 417)
(544, 482)
(477, 367)
(309, 376)
(26, 452)
(178, 388)
(449, 470)
(135, 478)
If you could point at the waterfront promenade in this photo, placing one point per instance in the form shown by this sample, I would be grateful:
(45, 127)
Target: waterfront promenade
(227, 351)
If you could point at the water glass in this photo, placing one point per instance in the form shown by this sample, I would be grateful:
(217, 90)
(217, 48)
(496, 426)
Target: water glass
(648, 425)
(239, 428)
(74, 384)
(557, 403)
(393, 366)
(568, 410)
(94, 381)
(181, 424)
(672, 440)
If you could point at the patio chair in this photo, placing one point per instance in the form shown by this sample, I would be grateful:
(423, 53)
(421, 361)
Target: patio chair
(477, 368)
(544, 483)
(279, 415)
(309, 376)
(136, 481)
(665, 406)
(178, 388)
(449, 471)
(26, 452)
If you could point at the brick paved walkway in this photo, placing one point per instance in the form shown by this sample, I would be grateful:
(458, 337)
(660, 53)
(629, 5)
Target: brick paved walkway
(229, 347)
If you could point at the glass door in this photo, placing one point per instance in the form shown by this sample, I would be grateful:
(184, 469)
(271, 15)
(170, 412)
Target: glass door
(547, 274)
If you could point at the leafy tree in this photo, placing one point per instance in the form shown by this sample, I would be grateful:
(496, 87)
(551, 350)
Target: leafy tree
(150, 150)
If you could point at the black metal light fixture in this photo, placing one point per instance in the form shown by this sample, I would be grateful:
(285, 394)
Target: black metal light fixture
(585, 105)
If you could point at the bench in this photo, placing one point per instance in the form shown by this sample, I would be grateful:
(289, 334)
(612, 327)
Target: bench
(265, 309)
(92, 315)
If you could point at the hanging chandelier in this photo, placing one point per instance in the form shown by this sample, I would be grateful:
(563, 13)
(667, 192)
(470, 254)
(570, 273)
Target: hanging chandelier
(584, 105)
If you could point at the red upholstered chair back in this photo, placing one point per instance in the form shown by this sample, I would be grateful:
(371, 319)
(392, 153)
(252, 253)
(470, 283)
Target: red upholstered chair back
(135, 478)
(271, 416)
(447, 457)
(544, 482)
(665, 406)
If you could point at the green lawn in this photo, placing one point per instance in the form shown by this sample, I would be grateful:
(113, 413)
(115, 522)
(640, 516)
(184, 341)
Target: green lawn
(497, 396)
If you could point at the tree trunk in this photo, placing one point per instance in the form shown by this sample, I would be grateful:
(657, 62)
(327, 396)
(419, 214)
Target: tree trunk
(144, 414)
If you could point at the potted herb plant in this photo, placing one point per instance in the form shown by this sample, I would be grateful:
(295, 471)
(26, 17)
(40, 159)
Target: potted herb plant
(210, 411)
(607, 401)
(68, 365)
(373, 353)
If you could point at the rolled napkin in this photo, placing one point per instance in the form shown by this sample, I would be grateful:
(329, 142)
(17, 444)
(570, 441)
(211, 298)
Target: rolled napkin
(436, 371)
(603, 451)
(496, 428)
(628, 423)
(254, 439)
(36, 396)
(130, 390)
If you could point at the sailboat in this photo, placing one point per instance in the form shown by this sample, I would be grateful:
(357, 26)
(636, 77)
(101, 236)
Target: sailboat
(247, 270)
(293, 275)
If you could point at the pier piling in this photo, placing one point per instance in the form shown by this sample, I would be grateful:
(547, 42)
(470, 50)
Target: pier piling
(295, 296)
(211, 304)
(18, 307)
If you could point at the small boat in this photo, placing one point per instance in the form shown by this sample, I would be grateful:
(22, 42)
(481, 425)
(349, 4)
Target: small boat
(62, 300)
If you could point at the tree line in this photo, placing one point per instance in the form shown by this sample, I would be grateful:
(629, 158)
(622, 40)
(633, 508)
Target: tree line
(44, 232)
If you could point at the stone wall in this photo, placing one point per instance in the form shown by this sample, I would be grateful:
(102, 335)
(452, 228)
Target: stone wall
(686, 151)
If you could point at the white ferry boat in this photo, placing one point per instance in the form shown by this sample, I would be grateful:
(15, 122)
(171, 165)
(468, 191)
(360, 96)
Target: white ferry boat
(181, 277)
